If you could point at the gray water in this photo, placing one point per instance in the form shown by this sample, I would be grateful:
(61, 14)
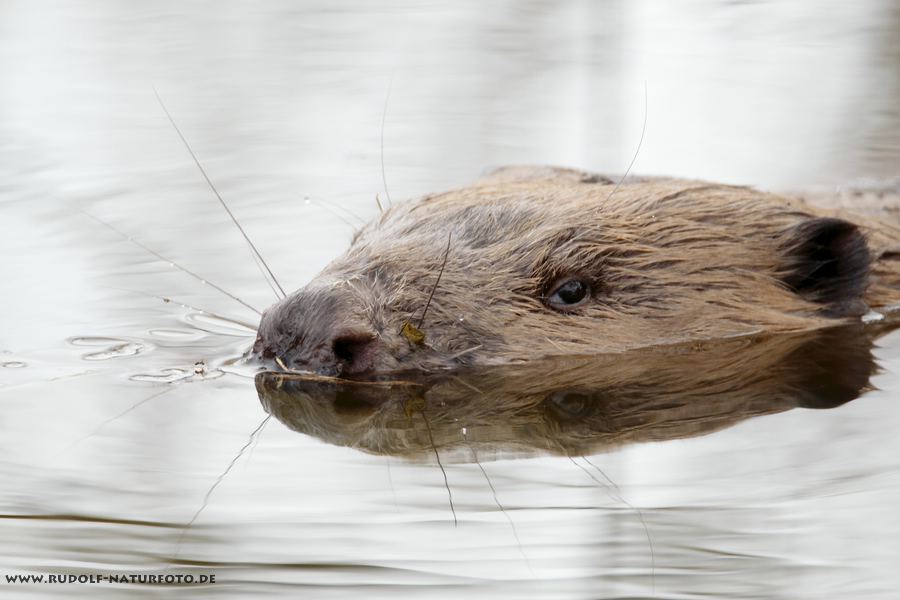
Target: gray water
(123, 402)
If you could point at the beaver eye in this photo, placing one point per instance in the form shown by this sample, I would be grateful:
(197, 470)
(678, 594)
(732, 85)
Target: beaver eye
(568, 293)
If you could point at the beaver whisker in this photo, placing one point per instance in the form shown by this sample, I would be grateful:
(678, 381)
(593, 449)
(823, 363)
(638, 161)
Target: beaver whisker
(554, 344)
(465, 383)
(268, 281)
(464, 352)
(387, 194)
(323, 205)
(171, 262)
(167, 300)
(219, 196)
(636, 150)
(346, 210)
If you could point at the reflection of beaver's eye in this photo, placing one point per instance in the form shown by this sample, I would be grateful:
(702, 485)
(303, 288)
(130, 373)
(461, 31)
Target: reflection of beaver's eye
(568, 293)
(567, 405)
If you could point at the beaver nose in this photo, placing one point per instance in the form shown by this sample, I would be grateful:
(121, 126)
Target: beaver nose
(347, 352)
(320, 330)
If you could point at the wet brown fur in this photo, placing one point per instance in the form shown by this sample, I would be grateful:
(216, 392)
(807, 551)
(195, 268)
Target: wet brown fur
(668, 260)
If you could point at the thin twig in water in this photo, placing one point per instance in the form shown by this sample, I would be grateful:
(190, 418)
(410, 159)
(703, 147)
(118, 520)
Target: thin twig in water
(202, 280)
(219, 480)
(440, 466)
(216, 192)
(436, 282)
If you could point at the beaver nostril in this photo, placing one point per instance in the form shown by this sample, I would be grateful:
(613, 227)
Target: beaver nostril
(349, 347)
(355, 350)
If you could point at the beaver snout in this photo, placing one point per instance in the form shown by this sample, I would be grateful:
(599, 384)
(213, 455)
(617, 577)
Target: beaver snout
(297, 334)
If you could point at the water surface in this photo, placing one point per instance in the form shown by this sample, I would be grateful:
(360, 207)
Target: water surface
(123, 403)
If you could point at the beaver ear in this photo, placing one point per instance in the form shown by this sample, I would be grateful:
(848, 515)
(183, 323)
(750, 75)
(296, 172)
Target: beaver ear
(827, 260)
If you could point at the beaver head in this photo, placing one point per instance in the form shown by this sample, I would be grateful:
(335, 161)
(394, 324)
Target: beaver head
(561, 265)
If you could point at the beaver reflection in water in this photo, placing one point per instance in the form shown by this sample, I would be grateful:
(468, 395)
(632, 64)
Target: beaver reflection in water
(545, 262)
(580, 405)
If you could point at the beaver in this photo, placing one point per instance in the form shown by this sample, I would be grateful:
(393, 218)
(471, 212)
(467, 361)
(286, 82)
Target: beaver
(536, 262)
